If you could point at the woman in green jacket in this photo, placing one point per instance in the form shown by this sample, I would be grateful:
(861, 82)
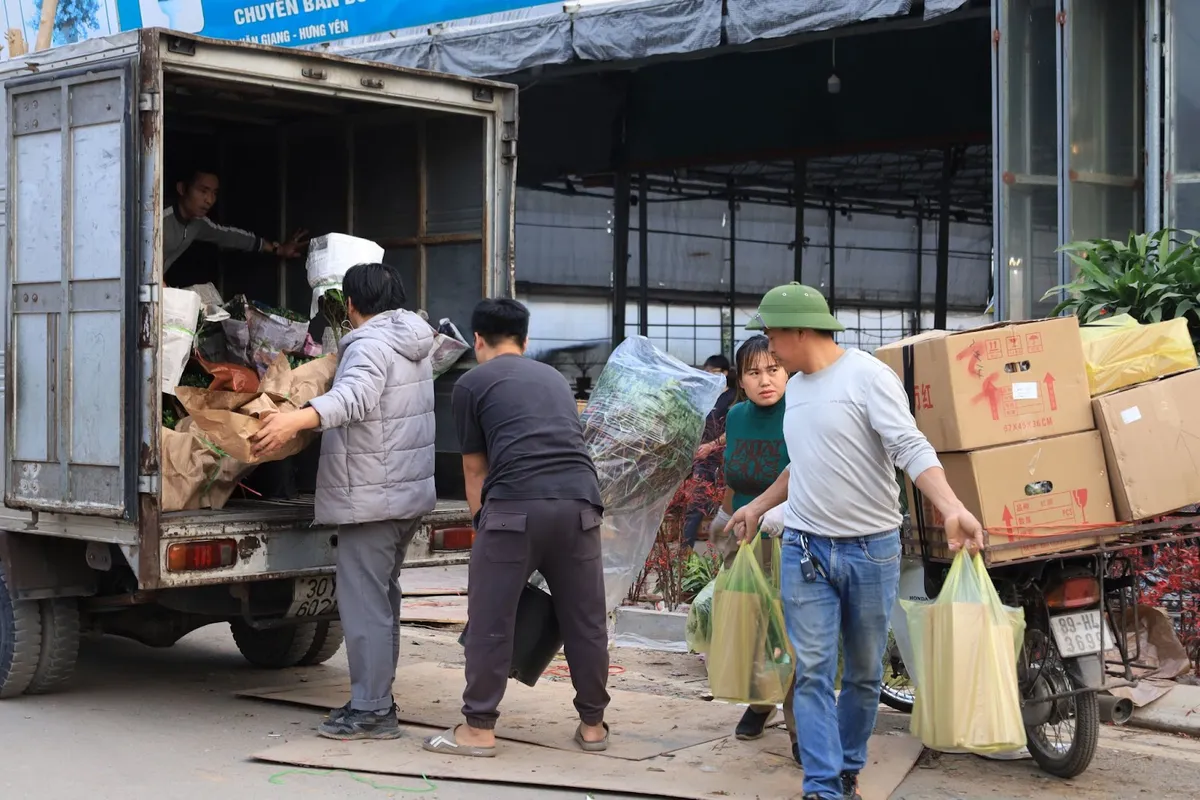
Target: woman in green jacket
(755, 455)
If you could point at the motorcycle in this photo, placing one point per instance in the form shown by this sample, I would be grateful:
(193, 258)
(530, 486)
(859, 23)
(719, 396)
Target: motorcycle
(1068, 609)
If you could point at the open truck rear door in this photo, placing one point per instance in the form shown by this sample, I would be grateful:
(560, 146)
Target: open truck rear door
(71, 444)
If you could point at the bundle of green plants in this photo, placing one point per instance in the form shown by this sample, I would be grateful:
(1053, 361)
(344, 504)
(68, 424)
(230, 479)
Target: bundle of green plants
(333, 302)
(643, 424)
(285, 313)
(1152, 277)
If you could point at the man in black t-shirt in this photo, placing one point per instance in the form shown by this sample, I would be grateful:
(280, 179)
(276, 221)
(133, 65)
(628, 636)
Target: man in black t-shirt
(532, 488)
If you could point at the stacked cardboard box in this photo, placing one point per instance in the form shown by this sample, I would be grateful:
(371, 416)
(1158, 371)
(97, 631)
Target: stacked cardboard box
(1008, 409)
(1151, 435)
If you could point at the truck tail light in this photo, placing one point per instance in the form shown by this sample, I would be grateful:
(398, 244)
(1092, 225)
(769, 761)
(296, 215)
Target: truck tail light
(195, 556)
(453, 538)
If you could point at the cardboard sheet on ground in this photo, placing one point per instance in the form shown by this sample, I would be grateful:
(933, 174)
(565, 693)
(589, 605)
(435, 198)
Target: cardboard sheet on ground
(434, 581)
(644, 725)
(1159, 650)
(445, 610)
(724, 768)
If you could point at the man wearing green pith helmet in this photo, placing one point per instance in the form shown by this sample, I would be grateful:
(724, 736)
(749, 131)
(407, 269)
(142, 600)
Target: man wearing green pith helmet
(848, 427)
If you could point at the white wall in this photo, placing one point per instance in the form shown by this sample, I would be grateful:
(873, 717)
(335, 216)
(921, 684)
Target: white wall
(692, 333)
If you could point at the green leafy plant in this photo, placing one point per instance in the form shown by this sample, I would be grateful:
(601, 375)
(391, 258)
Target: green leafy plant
(334, 306)
(699, 571)
(1153, 277)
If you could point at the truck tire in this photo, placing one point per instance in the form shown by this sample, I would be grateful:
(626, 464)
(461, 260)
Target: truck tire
(274, 648)
(20, 641)
(326, 643)
(60, 645)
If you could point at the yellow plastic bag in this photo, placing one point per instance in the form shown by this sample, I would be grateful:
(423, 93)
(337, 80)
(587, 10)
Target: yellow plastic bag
(1121, 352)
(965, 646)
(750, 659)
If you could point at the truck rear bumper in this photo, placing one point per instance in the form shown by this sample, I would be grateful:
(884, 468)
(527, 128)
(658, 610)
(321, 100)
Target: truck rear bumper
(280, 545)
(266, 552)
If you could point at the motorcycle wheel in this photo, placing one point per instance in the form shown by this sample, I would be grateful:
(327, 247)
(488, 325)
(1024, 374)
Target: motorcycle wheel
(897, 691)
(1065, 743)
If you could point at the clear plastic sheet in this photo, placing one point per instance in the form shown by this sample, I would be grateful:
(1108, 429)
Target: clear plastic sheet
(642, 427)
(448, 347)
(259, 339)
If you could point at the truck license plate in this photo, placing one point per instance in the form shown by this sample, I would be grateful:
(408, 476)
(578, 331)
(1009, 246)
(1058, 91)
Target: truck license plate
(1084, 633)
(314, 596)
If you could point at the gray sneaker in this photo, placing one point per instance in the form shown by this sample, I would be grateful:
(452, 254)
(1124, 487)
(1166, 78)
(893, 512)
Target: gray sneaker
(347, 723)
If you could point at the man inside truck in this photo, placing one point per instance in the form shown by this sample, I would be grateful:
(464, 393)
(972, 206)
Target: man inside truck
(186, 222)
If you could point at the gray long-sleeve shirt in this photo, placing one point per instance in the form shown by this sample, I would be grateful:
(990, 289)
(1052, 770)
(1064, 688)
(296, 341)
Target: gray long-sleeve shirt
(179, 234)
(847, 428)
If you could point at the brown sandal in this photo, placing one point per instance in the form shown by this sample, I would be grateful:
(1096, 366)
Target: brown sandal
(591, 747)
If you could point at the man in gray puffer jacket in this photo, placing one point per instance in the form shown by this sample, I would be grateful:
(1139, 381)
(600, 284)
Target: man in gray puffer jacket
(375, 481)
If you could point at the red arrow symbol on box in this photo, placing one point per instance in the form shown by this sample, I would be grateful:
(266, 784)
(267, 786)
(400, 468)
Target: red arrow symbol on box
(991, 393)
(1008, 519)
(1049, 381)
(973, 354)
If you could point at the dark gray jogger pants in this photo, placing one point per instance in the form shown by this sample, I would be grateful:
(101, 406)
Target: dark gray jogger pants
(560, 539)
(369, 558)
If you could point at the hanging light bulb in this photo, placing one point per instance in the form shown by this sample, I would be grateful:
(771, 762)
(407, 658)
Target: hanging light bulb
(834, 84)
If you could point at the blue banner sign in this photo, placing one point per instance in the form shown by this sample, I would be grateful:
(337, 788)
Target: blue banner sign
(293, 23)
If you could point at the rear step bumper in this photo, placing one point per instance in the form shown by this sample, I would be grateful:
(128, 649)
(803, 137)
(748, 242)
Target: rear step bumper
(292, 549)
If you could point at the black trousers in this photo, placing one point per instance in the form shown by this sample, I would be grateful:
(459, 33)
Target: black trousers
(561, 540)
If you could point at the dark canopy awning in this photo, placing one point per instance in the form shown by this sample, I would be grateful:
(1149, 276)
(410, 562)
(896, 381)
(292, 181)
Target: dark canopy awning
(617, 30)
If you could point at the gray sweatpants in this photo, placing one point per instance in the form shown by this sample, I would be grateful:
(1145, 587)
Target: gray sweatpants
(369, 558)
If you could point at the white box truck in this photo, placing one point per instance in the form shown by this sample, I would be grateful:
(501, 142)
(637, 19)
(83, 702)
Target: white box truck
(422, 163)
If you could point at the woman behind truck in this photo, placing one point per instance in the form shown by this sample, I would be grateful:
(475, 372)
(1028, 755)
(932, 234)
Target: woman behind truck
(755, 455)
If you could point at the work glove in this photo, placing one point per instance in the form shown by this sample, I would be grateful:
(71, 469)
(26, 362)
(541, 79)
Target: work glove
(772, 523)
(716, 530)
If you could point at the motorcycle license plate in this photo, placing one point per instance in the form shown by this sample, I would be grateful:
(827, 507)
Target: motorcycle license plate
(1083, 633)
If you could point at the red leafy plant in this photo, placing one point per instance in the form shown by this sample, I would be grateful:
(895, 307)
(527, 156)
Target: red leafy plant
(1170, 579)
(673, 568)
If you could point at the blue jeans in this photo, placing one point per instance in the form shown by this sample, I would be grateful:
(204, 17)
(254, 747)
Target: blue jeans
(851, 598)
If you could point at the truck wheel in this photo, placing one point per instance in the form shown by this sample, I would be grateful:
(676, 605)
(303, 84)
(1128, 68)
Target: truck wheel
(60, 645)
(274, 648)
(326, 643)
(20, 641)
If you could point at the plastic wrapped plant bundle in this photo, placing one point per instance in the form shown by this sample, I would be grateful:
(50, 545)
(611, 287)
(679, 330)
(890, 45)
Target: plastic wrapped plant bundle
(181, 316)
(642, 427)
(330, 257)
(699, 620)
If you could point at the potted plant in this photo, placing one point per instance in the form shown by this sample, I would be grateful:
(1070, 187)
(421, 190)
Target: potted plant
(1153, 277)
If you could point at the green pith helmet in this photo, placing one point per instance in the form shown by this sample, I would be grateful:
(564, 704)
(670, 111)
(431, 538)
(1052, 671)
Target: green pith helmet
(794, 306)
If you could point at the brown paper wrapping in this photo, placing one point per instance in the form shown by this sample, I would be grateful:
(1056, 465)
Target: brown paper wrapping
(194, 474)
(230, 419)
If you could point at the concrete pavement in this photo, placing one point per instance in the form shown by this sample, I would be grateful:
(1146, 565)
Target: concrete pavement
(141, 724)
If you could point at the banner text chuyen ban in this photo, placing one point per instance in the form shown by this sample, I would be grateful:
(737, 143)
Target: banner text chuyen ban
(299, 22)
